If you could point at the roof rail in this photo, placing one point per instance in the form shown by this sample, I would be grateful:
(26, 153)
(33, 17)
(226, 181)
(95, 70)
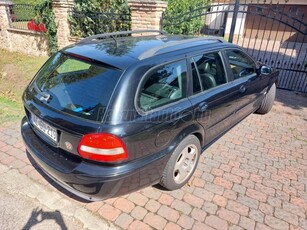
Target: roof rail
(110, 35)
(155, 50)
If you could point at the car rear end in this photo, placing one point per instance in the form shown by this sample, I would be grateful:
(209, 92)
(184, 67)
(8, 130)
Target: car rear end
(65, 106)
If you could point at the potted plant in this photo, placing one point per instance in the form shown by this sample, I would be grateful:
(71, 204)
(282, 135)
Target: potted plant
(36, 24)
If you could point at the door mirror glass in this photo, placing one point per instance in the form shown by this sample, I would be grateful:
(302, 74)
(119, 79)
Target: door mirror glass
(264, 70)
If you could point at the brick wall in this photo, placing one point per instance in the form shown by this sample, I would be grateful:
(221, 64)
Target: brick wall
(145, 14)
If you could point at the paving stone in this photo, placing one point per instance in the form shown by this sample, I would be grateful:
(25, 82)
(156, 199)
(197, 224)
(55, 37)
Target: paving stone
(235, 227)
(172, 226)
(233, 178)
(229, 194)
(177, 194)
(223, 183)
(276, 223)
(185, 222)
(124, 205)
(139, 213)
(237, 207)
(272, 184)
(239, 188)
(155, 221)
(193, 200)
(274, 202)
(203, 194)
(230, 216)
(152, 193)
(152, 206)
(216, 222)
(256, 215)
(201, 226)
(265, 189)
(214, 188)
(94, 206)
(207, 177)
(286, 216)
(294, 209)
(138, 199)
(124, 220)
(210, 207)
(249, 202)
(166, 199)
(198, 182)
(108, 212)
(168, 213)
(138, 225)
(198, 214)
(257, 195)
(247, 223)
(181, 206)
(220, 200)
(91, 221)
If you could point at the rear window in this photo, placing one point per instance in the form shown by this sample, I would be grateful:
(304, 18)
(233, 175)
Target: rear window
(76, 86)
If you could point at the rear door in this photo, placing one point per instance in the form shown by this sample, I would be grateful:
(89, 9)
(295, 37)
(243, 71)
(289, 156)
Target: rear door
(214, 96)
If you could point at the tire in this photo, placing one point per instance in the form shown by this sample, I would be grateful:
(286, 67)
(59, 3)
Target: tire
(182, 164)
(268, 100)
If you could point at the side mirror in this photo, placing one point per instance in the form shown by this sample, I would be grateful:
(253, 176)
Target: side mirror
(264, 70)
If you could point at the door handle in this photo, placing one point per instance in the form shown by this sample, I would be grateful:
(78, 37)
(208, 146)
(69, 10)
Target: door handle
(202, 106)
(242, 89)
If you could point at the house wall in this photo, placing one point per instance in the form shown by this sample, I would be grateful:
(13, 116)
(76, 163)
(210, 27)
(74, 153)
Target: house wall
(269, 28)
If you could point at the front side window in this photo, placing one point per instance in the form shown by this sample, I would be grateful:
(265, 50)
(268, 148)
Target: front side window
(241, 65)
(210, 71)
(77, 86)
(163, 85)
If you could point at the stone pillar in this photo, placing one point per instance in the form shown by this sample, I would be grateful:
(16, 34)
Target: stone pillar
(4, 24)
(146, 14)
(61, 9)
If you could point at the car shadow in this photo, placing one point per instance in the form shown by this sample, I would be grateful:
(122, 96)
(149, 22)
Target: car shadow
(292, 99)
(38, 216)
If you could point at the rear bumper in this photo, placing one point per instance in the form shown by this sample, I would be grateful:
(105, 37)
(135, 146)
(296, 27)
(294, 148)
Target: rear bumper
(89, 180)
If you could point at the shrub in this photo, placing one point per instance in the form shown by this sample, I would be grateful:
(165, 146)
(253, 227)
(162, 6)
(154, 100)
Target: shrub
(99, 16)
(184, 16)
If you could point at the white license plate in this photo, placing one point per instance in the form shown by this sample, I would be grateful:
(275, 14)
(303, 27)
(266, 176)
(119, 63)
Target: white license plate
(48, 130)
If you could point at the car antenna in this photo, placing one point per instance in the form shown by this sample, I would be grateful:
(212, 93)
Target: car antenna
(114, 40)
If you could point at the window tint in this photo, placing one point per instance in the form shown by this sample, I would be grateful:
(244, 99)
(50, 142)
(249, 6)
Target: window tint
(210, 69)
(163, 85)
(240, 64)
(77, 87)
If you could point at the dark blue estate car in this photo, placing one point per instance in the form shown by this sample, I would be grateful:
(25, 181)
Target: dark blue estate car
(113, 113)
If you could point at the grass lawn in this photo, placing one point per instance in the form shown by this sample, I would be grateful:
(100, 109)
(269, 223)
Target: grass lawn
(16, 71)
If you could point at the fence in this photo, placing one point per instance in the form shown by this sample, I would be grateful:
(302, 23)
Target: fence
(24, 17)
(274, 34)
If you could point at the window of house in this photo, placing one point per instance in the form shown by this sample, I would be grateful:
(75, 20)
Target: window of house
(209, 69)
(241, 65)
(163, 85)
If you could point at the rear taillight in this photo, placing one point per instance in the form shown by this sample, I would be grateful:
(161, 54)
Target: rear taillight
(102, 147)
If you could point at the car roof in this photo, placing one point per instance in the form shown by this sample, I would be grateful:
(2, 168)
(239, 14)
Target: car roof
(122, 52)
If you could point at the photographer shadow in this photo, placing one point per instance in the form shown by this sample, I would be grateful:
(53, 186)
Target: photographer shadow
(38, 216)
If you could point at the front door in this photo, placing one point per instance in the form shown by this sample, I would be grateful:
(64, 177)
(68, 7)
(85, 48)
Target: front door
(249, 85)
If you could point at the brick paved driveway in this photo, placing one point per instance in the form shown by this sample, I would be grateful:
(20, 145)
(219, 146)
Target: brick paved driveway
(255, 177)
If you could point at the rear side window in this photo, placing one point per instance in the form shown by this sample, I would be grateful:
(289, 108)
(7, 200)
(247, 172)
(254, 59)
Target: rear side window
(77, 86)
(208, 72)
(163, 85)
(241, 65)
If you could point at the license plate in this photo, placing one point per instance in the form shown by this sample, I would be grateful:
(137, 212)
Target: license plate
(46, 129)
